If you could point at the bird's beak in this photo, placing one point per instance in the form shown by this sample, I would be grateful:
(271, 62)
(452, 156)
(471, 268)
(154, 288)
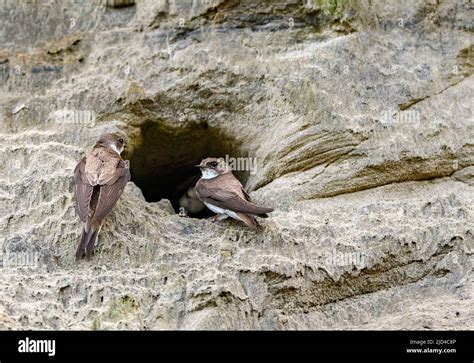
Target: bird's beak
(197, 166)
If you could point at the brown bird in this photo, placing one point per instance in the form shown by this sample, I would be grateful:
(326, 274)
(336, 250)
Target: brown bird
(190, 202)
(100, 178)
(223, 194)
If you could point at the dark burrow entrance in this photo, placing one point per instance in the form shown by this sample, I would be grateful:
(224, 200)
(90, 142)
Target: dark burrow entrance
(163, 159)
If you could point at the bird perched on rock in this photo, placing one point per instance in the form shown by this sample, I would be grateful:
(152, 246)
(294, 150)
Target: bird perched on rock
(100, 178)
(223, 194)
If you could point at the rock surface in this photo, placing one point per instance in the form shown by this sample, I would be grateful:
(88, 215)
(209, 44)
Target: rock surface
(359, 118)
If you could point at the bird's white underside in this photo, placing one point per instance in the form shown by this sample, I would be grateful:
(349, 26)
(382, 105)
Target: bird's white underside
(222, 212)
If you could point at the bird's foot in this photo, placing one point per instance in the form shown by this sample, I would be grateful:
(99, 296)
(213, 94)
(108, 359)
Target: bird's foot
(218, 217)
(214, 218)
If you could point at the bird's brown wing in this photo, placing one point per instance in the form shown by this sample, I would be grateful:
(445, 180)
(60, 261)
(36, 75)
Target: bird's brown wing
(223, 193)
(246, 195)
(82, 190)
(111, 191)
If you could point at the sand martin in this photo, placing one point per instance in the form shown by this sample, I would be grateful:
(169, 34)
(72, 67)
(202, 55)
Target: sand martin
(223, 194)
(190, 202)
(100, 178)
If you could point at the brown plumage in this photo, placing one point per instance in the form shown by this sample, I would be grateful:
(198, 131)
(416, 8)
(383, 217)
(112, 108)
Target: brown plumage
(222, 193)
(100, 178)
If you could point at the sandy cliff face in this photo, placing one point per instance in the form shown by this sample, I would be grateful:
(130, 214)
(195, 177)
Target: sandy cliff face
(358, 118)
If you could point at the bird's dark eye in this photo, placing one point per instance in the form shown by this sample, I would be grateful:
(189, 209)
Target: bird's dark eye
(121, 141)
(214, 164)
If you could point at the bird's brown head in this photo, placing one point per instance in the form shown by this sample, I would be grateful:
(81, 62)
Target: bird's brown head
(113, 141)
(212, 167)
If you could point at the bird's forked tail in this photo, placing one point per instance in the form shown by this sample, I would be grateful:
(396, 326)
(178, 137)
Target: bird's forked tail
(87, 242)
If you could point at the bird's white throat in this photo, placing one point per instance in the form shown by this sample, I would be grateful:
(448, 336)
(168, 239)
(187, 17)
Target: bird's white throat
(209, 173)
(114, 148)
